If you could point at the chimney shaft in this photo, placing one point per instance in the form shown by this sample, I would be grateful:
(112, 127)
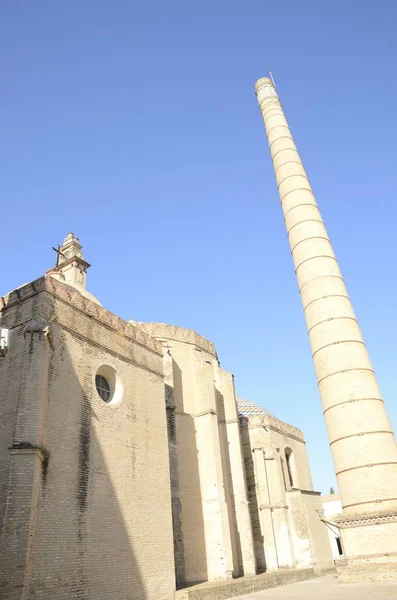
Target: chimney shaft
(362, 442)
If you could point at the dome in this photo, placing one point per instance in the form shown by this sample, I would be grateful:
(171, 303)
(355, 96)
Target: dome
(246, 408)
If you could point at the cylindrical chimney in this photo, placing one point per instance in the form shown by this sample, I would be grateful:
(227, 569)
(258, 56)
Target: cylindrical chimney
(362, 442)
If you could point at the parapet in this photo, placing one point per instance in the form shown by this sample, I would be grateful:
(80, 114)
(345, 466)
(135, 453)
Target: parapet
(179, 334)
(79, 300)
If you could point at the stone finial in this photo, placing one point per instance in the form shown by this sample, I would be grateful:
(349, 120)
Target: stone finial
(70, 248)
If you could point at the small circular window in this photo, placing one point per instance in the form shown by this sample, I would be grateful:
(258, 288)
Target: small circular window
(108, 384)
(102, 387)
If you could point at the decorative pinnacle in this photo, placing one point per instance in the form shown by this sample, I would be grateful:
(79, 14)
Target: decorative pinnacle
(71, 247)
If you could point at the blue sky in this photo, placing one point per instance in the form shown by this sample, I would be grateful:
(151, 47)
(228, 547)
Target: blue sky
(136, 127)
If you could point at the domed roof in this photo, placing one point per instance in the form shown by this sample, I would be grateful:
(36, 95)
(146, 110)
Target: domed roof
(60, 277)
(246, 408)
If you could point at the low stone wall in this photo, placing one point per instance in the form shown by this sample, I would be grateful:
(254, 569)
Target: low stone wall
(373, 567)
(220, 590)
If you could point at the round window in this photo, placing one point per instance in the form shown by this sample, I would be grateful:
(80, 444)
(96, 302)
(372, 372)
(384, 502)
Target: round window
(108, 384)
(102, 387)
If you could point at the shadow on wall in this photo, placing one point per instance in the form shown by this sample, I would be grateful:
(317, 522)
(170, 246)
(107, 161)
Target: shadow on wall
(95, 513)
(179, 549)
(252, 497)
(91, 533)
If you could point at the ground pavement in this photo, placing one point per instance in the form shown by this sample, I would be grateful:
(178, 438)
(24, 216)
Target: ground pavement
(327, 588)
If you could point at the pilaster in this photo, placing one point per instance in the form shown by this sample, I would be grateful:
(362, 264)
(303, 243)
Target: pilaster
(28, 464)
(264, 505)
(216, 521)
(279, 509)
(241, 504)
(235, 470)
(179, 552)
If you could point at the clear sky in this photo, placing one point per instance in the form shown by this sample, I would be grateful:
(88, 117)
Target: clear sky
(135, 125)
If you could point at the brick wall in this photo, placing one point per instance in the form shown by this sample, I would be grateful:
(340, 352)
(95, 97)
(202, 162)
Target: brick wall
(212, 527)
(103, 527)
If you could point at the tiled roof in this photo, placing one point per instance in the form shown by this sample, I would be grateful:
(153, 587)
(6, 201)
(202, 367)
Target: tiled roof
(246, 408)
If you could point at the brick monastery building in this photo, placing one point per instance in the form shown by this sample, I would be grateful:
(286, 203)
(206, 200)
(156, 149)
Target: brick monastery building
(128, 468)
(127, 465)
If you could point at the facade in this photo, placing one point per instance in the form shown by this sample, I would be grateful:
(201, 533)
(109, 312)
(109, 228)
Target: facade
(285, 509)
(77, 497)
(127, 467)
(362, 442)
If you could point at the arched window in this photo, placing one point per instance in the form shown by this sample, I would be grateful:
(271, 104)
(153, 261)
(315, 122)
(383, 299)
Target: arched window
(102, 387)
(288, 455)
(109, 385)
(339, 545)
